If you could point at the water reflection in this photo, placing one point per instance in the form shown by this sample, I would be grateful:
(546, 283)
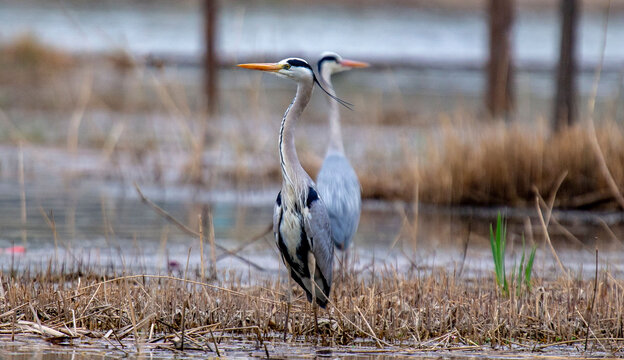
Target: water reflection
(90, 350)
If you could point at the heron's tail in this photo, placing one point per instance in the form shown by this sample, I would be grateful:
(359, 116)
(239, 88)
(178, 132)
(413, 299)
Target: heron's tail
(322, 297)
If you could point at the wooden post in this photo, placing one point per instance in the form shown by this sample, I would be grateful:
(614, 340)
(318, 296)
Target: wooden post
(565, 107)
(500, 71)
(210, 56)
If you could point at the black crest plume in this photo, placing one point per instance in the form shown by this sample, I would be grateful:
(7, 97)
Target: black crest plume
(301, 63)
(346, 104)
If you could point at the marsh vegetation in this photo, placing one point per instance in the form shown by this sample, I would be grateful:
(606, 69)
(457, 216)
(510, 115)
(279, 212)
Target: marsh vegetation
(103, 270)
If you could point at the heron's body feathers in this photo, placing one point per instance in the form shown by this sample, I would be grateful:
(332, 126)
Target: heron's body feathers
(300, 221)
(302, 229)
(337, 182)
(340, 190)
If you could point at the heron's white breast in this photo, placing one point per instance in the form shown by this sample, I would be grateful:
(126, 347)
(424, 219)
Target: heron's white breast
(291, 232)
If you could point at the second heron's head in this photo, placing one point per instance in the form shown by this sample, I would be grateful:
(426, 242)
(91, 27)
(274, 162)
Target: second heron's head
(331, 63)
(291, 68)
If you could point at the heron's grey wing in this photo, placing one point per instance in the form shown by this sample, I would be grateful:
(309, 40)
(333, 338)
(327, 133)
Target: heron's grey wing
(318, 230)
(340, 190)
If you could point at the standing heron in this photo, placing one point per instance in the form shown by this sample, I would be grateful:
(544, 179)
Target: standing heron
(300, 221)
(338, 184)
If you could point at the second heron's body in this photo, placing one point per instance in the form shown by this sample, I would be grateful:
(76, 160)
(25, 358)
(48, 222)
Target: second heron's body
(338, 183)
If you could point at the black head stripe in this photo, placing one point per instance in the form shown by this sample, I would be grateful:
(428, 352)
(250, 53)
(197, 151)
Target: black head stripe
(325, 58)
(301, 63)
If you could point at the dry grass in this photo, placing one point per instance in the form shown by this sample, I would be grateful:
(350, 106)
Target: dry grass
(505, 165)
(410, 310)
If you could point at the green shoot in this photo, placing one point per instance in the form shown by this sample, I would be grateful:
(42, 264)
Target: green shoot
(529, 268)
(521, 275)
(498, 238)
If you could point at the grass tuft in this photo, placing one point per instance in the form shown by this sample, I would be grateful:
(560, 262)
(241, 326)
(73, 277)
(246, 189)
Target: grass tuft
(520, 275)
(501, 165)
(498, 238)
(26, 54)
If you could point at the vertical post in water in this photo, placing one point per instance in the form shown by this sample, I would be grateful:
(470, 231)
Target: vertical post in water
(500, 71)
(210, 56)
(565, 107)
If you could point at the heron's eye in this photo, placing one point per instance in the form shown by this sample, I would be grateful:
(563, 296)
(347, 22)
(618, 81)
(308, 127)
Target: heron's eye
(286, 66)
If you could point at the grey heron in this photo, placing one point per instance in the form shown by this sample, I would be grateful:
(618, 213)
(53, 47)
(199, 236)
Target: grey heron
(337, 182)
(300, 220)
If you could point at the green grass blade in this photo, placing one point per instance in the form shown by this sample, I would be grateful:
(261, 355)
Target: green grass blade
(519, 276)
(498, 237)
(502, 225)
(494, 247)
(529, 268)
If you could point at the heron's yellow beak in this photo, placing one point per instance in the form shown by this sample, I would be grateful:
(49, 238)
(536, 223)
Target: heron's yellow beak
(262, 66)
(353, 64)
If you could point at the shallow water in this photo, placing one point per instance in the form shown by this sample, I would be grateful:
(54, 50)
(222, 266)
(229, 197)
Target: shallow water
(83, 350)
(105, 225)
(33, 348)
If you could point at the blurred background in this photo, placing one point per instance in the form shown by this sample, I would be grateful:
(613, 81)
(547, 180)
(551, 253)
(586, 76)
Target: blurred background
(469, 107)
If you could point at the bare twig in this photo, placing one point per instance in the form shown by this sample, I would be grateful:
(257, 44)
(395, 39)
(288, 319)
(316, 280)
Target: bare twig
(590, 310)
(214, 342)
(201, 248)
(247, 243)
(211, 239)
(547, 238)
(189, 231)
(369, 327)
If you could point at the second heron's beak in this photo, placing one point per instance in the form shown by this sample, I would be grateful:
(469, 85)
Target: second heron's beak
(273, 67)
(353, 64)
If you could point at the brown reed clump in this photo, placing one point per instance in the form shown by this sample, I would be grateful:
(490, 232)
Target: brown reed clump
(505, 165)
(28, 60)
(388, 309)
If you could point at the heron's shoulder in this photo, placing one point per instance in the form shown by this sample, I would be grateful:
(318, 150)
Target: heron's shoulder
(335, 156)
(336, 172)
(312, 196)
(336, 162)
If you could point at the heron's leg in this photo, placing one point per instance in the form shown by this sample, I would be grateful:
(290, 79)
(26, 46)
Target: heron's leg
(344, 266)
(315, 309)
(288, 302)
(312, 267)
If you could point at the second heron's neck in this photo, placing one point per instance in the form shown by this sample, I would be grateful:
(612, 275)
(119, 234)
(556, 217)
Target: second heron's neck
(292, 171)
(335, 134)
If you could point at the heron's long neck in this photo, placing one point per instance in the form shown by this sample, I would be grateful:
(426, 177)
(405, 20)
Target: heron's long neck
(335, 135)
(292, 171)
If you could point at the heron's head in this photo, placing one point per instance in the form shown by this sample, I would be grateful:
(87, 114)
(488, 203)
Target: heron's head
(296, 69)
(291, 68)
(332, 63)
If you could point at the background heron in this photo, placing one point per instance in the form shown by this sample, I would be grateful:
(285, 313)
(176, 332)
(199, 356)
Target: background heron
(337, 182)
(300, 221)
